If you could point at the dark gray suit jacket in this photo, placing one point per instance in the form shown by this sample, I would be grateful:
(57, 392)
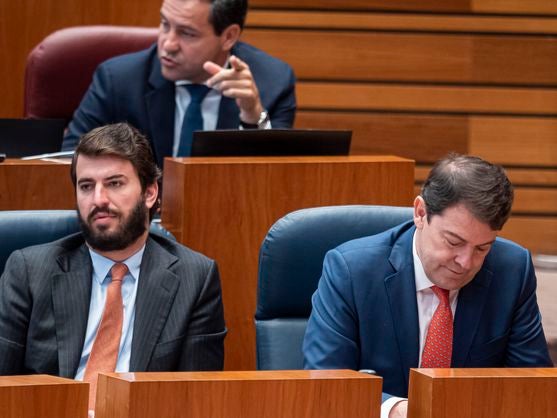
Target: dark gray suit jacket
(44, 306)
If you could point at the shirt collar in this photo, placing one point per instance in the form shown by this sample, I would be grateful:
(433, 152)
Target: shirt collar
(102, 265)
(422, 282)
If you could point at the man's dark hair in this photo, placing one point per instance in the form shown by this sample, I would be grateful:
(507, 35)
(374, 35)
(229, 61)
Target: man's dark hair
(123, 141)
(227, 12)
(483, 188)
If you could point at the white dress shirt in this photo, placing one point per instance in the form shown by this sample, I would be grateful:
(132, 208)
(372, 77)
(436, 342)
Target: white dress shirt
(427, 304)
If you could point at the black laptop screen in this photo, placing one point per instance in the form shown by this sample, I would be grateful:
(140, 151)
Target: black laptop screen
(270, 142)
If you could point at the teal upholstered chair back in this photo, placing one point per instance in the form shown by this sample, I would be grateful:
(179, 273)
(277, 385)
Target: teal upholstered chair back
(290, 263)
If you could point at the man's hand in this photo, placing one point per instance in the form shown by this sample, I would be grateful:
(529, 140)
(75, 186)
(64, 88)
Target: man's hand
(236, 82)
(399, 410)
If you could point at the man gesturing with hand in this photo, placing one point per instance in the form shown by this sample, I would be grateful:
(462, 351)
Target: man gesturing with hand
(198, 76)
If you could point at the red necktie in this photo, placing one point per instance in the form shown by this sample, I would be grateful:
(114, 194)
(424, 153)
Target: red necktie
(104, 353)
(438, 346)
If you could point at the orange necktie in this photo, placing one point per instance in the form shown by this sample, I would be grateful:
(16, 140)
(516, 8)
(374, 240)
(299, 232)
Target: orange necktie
(104, 353)
(438, 347)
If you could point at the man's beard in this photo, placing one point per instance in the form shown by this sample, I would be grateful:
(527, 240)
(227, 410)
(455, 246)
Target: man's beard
(127, 232)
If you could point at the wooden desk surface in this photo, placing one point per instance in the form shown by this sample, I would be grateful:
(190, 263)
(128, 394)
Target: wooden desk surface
(477, 393)
(35, 184)
(42, 396)
(271, 394)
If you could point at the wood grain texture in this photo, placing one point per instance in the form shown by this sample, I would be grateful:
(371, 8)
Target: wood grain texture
(223, 207)
(42, 396)
(515, 6)
(422, 57)
(400, 22)
(35, 185)
(520, 177)
(515, 141)
(537, 233)
(415, 98)
(295, 394)
(461, 6)
(472, 393)
(424, 138)
(408, 5)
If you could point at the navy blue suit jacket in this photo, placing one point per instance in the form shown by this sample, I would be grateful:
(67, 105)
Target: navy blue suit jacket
(365, 311)
(131, 88)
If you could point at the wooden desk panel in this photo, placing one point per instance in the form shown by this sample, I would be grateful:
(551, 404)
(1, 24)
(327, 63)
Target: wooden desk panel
(42, 396)
(34, 185)
(473, 393)
(269, 394)
(223, 207)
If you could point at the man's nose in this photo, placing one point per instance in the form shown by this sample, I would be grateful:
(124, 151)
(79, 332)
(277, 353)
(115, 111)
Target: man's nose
(170, 41)
(464, 258)
(100, 197)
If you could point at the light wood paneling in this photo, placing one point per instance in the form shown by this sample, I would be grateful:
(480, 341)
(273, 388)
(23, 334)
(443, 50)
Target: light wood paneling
(515, 141)
(535, 200)
(537, 233)
(515, 6)
(408, 5)
(413, 57)
(223, 207)
(416, 98)
(424, 138)
(269, 394)
(459, 6)
(400, 22)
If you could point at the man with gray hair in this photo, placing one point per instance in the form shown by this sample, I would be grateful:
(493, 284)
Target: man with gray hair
(439, 291)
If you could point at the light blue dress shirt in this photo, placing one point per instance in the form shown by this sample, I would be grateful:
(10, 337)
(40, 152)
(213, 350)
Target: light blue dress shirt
(100, 281)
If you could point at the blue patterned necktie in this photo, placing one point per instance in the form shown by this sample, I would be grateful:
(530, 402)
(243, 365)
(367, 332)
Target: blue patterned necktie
(193, 120)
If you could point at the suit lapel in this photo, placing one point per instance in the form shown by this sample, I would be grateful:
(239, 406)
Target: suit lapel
(471, 300)
(401, 293)
(71, 295)
(160, 103)
(155, 294)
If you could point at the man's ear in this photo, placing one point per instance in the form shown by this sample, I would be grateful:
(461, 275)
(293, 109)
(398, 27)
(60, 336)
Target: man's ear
(151, 194)
(420, 213)
(230, 36)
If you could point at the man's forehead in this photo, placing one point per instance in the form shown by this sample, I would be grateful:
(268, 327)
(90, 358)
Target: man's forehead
(459, 222)
(186, 9)
(103, 166)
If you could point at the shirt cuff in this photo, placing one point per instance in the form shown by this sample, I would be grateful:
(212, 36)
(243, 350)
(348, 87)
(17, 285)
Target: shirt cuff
(388, 405)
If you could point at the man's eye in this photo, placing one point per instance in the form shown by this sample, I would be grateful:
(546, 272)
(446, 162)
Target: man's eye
(115, 183)
(85, 187)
